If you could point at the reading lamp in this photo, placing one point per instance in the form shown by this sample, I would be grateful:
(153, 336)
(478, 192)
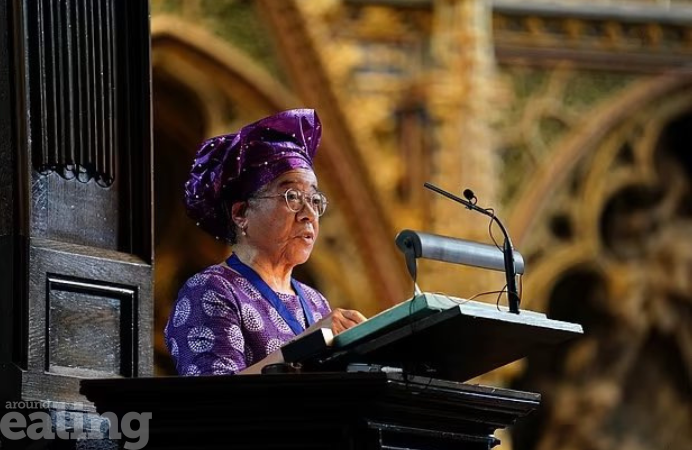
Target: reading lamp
(415, 244)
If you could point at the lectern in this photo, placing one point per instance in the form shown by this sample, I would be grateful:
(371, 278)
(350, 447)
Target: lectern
(393, 382)
(314, 411)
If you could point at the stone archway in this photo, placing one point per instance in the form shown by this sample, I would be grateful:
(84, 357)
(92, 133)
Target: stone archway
(536, 193)
(620, 265)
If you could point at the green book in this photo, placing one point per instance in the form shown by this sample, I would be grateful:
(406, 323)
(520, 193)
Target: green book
(420, 306)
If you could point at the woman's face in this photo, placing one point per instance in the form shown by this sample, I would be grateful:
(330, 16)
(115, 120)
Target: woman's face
(284, 236)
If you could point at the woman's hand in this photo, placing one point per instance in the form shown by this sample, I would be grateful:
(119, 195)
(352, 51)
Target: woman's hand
(340, 320)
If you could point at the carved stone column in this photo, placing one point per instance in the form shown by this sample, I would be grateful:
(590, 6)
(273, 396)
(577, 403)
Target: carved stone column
(461, 105)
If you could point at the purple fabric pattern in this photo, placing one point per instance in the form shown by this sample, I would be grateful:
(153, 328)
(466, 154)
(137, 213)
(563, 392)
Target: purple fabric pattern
(220, 323)
(230, 167)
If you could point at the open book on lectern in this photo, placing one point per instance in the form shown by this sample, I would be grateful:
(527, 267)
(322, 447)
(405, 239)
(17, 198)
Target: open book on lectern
(434, 335)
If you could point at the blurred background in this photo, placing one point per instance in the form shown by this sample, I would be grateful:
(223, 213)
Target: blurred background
(572, 119)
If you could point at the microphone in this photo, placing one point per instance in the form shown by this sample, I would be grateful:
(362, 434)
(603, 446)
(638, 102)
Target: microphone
(470, 196)
(507, 248)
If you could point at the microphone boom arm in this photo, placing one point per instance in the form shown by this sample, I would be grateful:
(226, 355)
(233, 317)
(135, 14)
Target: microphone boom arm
(507, 248)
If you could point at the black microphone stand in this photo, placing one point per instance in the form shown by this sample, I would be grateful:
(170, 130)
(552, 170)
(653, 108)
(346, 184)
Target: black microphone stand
(507, 249)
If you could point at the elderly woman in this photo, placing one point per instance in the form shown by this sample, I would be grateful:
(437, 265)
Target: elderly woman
(257, 190)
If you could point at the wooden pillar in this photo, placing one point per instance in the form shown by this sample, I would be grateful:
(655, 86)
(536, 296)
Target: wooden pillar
(75, 195)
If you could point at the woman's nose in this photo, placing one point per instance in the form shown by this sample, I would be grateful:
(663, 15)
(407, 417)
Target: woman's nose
(307, 211)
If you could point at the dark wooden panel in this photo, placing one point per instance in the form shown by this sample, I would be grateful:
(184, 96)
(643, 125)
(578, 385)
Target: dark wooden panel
(73, 90)
(90, 328)
(134, 66)
(78, 213)
(10, 382)
(83, 333)
(13, 308)
(102, 324)
(73, 48)
(88, 89)
(408, 412)
(75, 194)
(6, 306)
(6, 134)
(6, 184)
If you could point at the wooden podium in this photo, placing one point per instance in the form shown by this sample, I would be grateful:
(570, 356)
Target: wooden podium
(314, 411)
(437, 335)
(331, 403)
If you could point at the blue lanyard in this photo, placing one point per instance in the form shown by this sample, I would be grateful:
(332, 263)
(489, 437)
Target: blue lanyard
(269, 294)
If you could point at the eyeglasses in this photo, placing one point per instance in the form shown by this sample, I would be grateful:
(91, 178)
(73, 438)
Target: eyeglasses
(295, 200)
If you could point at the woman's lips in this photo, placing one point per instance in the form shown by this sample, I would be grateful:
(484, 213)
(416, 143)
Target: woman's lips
(308, 237)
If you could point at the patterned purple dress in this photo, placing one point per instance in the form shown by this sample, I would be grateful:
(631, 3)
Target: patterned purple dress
(220, 323)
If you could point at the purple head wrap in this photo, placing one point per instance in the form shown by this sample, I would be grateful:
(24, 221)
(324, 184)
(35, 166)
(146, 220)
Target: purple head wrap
(231, 167)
